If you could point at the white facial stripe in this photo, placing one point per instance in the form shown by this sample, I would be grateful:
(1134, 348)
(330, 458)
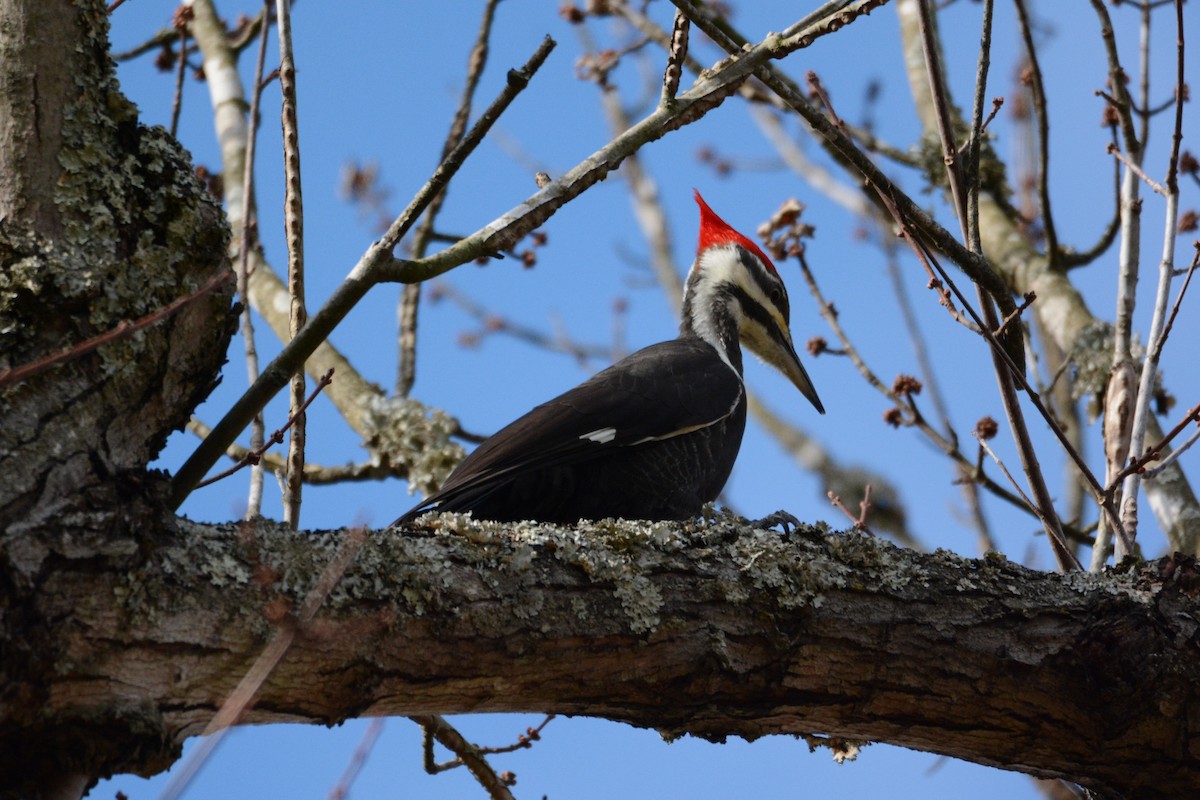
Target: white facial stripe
(714, 266)
(721, 264)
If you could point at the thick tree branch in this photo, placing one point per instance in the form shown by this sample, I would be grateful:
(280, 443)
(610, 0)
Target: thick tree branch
(730, 631)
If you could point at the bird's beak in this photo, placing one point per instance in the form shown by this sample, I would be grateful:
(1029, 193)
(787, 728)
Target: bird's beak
(778, 351)
(791, 367)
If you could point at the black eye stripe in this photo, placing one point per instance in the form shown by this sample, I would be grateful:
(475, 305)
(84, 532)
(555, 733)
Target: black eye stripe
(767, 282)
(755, 311)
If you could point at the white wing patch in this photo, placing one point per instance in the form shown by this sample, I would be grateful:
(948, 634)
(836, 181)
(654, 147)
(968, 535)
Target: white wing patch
(602, 436)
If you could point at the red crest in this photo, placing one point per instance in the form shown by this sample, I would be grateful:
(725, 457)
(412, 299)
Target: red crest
(715, 231)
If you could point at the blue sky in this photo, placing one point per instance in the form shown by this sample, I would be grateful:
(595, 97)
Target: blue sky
(379, 82)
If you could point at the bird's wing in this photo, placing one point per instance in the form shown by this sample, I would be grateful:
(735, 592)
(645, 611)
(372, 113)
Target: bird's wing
(661, 391)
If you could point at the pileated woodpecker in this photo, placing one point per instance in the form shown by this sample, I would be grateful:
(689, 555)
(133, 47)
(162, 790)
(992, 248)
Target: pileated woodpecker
(655, 435)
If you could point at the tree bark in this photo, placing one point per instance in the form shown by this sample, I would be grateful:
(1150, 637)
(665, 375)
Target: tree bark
(712, 629)
(102, 222)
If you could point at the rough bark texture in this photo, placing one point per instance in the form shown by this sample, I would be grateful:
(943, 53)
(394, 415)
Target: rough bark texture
(120, 228)
(713, 630)
(101, 222)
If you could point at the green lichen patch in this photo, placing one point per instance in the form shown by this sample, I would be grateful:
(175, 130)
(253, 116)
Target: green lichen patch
(413, 439)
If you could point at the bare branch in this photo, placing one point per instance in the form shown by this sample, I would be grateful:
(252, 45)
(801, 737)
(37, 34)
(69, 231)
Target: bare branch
(357, 760)
(410, 299)
(1042, 115)
(1136, 169)
(676, 54)
(293, 218)
(864, 506)
(436, 727)
(365, 274)
(255, 456)
(247, 237)
(182, 15)
(1158, 319)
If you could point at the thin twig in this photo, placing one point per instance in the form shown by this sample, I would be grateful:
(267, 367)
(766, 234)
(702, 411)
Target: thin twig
(437, 727)
(518, 79)
(1158, 329)
(1042, 115)
(183, 774)
(1144, 71)
(1151, 474)
(314, 474)
(524, 741)
(357, 760)
(255, 456)
(1130, 164)
(293, 207)
(676, 54)
(247, 236)
(864, 506)
(987, 449)
(120, 331)
(1187, 280)
(410, 298)
(160, 39)
(1026, 302)
(1000, 360)
(243, 36)
(1120, 100)
(181, 69)
(1181, 89)
(978, 123)
(1137, 465)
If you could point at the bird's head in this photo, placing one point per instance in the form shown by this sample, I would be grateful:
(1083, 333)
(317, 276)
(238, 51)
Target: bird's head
(732, 282)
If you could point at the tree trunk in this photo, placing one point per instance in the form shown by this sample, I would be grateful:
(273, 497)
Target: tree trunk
(101, 222)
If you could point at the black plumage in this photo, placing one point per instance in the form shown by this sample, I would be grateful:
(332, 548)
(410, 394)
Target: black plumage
(655, 435)
(543, 466)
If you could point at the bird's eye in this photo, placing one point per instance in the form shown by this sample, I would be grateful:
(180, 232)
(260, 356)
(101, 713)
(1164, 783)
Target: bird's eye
(776, 295)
